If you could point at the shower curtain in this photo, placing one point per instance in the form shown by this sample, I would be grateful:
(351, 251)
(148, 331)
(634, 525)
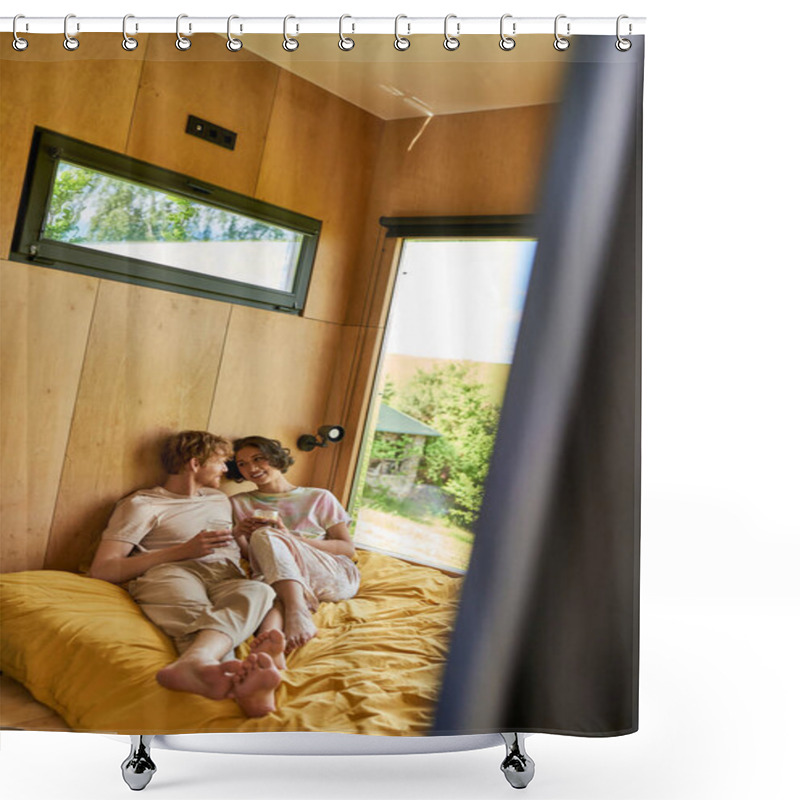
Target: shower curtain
(417, 268)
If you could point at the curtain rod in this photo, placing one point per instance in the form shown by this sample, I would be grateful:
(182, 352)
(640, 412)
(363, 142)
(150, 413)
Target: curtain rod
(407, 26)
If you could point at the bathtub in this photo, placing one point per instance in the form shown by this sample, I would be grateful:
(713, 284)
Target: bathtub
(138, 768)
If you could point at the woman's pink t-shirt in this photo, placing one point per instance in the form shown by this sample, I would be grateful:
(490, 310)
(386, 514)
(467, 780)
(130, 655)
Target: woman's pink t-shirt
(304, 510)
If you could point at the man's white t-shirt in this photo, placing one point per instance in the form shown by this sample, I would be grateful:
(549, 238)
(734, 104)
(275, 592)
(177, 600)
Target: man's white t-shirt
(154, 519)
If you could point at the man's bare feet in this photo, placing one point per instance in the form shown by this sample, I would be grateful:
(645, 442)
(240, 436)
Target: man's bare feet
(298, 627)
(273, 643)
(209, 679)
(254, 687)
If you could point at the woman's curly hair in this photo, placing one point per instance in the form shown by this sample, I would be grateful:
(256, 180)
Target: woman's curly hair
(278, 456)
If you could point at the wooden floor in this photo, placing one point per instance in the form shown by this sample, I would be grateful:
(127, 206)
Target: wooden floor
(20, 710)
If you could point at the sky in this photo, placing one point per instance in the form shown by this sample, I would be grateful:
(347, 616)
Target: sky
(460, 299)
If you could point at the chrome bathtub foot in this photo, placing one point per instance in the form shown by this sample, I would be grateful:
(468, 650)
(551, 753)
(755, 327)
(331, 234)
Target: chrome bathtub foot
(517, 766)
(138, 768)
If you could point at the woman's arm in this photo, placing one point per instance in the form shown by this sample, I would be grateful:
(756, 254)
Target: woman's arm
(337, 541)
(337, 538)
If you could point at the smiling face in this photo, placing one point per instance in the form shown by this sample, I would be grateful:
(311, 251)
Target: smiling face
(255, 466)
(210, 473)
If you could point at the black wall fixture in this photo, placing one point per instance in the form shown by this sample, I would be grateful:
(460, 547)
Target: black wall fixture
(215, 134)
(325, 433)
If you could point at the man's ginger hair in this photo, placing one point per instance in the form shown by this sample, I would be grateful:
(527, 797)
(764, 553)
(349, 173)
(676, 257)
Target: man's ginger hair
(182, 447)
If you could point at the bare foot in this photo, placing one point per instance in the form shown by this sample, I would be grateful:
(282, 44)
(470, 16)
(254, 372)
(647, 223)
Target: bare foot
(273, 643)
(299, 628)
(209, 679)
(254, 687)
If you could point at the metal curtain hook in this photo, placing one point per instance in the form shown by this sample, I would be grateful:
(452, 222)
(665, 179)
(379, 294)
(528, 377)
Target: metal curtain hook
(345, 42)
(182, 43)
(128, 42)
(290, 44)
(623, 44)
(70, 42)
(400, 42)
(506, 42)
(451, 42)
(18, 43)
(560, 42)
(234, 45)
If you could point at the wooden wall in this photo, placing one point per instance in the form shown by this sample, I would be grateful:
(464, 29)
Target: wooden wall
(94, 372)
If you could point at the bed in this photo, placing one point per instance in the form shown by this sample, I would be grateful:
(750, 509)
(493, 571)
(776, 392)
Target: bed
(82, 647)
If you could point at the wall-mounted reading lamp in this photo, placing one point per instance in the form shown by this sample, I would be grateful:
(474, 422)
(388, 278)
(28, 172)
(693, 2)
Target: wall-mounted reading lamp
(325, 434)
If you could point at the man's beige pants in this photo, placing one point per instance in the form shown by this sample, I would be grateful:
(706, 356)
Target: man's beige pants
(186, 597)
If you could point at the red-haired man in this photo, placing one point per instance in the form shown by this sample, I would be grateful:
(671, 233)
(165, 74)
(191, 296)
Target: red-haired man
(174, 546)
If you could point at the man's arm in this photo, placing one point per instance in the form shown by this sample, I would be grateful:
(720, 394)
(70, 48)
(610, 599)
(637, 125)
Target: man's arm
(113, 563)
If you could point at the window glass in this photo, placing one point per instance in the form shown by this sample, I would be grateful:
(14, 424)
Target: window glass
(113, 215)
(447, 353)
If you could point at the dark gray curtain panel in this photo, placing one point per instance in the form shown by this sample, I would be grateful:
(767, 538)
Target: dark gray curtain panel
(547, 634)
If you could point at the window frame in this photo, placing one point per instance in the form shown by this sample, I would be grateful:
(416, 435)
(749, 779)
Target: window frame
(49, 148)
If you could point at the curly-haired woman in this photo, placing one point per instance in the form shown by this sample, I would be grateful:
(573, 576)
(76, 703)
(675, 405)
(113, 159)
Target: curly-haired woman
(296, 538)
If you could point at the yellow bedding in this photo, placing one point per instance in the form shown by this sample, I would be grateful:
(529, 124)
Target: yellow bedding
(83, 647)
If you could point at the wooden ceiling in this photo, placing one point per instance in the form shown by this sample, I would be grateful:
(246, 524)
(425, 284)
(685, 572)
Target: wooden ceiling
(425, 79)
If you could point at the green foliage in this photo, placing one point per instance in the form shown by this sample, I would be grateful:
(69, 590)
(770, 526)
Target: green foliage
(389, 391)
(110, 209)
(380, 498)
(450, 399)
(70, 193)
(395, 447)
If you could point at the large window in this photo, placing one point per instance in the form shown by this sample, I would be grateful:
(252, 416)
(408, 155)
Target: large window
(94, 211)
(449, 343)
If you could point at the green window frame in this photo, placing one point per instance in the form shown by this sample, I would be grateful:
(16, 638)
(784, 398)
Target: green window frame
(32, 245)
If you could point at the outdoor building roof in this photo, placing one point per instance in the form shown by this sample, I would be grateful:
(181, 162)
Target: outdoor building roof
(390, 420)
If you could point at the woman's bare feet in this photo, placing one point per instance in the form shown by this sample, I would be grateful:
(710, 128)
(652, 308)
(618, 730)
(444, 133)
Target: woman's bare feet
(209, 679)
(299, 628)
(273, 643)
(255, 684)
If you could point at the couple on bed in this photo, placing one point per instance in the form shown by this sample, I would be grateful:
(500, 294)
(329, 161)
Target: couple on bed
(179, 546)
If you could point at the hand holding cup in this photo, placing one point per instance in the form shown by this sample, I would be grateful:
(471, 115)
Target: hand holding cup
(269, 517)
(206, 542)
(260, 518)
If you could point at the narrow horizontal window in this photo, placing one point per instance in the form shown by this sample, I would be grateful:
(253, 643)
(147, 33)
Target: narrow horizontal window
(90, 210)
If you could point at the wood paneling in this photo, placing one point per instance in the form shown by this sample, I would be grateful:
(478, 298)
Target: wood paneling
(319, 160)
(352, 381)
(348, 404)
(379, 78)
(90, 97)
(233, 90)
(44, 317)
(274, 380)
(483, 163)
(151, 367)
